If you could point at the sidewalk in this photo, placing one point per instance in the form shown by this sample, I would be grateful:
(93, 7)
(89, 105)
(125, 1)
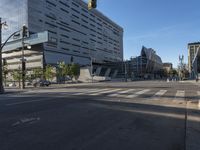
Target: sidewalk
(193, 128)
(191, 81)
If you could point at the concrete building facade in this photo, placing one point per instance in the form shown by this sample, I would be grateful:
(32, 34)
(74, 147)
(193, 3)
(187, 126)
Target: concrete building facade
(74, 34)
(192, 52)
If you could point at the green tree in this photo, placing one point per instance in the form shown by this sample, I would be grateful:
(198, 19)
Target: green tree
(5, 73)
(62, 70)
(75, 71)
(49, 74)
(68, 71)
(37, 73)
(17, 76)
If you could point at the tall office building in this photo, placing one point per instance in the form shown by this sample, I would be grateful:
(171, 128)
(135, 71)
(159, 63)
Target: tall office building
(74, 33)
(192, 50)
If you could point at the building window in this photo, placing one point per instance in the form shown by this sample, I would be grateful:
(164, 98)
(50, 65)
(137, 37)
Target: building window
(50, 3)
(64, 4)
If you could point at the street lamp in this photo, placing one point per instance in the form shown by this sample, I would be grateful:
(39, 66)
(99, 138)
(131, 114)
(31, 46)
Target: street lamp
(2, 24)
(25, 34)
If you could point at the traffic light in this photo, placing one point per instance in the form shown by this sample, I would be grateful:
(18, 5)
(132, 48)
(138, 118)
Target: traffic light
(92, 4)
(25, 31)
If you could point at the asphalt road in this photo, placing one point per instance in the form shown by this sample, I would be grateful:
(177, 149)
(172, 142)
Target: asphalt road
(104, 116)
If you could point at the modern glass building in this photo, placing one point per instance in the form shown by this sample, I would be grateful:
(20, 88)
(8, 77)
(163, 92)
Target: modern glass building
(73, 33)
(147, 65)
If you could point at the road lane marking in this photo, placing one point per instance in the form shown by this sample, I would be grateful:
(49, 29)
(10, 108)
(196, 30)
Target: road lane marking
(28, 101)
(138, 93)
(26, 120)
(121, 92)
(105, 92)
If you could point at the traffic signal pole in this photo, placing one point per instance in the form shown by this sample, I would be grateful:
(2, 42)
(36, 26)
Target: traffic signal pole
(23, 65)
(24, 34)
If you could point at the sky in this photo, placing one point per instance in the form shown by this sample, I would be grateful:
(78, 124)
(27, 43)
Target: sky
(167, 26)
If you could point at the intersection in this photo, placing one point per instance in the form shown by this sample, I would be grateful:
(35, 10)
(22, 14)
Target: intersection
(133, 115)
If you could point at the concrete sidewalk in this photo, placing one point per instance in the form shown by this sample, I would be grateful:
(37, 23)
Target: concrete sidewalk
(193, 128)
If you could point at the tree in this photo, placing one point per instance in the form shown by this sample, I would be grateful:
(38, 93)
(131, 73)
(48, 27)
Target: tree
(71, 70)
(62, 70)
(49, 74)
(37, 73)
(68, 70)
(17, 76)
(5, 73)
(75, 71)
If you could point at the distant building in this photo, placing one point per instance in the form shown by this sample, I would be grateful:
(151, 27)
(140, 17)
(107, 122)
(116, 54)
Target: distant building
(168, 66)
(147, 65)
(194, 59)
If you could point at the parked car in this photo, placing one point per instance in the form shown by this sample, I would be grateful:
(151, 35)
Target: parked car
(41, 82)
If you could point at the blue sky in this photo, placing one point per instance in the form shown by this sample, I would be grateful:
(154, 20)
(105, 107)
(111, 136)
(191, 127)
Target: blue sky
(164, 25)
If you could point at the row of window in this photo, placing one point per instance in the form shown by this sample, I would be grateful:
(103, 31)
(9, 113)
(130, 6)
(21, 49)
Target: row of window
(66, 28)
(84, 12)
(53, 43)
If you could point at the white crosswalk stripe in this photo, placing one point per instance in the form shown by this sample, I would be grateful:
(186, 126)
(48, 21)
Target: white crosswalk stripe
(138, 93)
(118, 94)
(180, 95)
(158, 94)
(105, 92)
(89, 91)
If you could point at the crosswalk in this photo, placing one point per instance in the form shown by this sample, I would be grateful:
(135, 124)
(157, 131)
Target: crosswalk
(144, 95)
(153, 94)
(121, 93)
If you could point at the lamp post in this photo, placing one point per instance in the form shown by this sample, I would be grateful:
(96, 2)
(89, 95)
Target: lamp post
(25, 34)
(1, 47)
